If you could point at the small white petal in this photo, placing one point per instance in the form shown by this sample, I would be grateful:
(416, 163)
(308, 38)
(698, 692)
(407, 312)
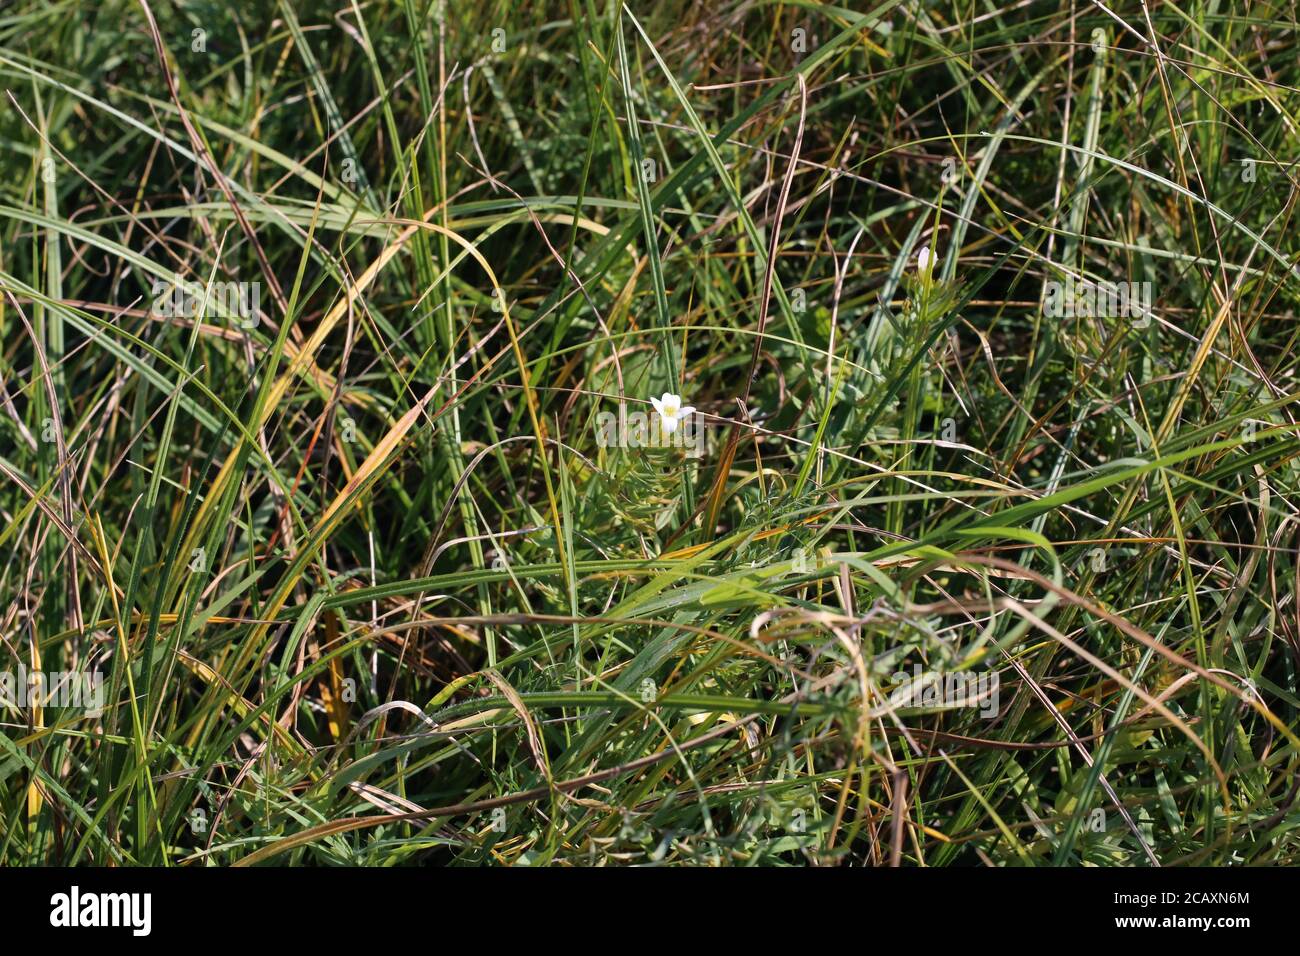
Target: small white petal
(659, 405)
(684, 411)
(669, 425)
(924, 259)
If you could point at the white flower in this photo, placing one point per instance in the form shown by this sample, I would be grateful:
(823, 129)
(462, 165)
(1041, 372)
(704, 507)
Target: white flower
(925, 261)
(671, 411)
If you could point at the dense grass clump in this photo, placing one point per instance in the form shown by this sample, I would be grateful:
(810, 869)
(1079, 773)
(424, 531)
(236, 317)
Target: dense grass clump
(330, 335)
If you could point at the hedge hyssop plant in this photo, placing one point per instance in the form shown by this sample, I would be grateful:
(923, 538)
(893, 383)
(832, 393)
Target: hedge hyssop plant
(714, 434)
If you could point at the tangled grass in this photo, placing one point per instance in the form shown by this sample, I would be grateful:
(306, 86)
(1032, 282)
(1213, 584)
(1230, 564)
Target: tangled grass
(329, 338)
